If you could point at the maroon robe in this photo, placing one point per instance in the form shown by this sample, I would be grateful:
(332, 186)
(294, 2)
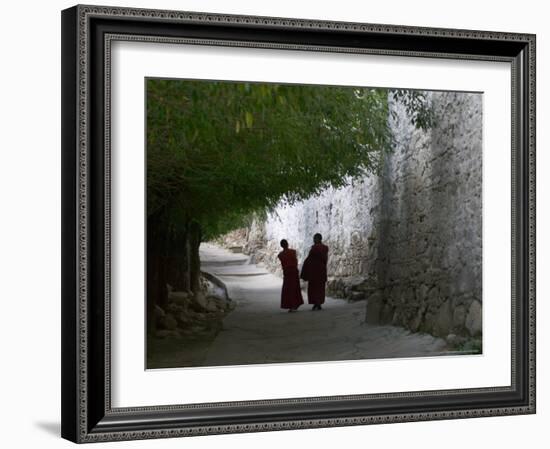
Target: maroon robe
(291, 294)
(314, 271)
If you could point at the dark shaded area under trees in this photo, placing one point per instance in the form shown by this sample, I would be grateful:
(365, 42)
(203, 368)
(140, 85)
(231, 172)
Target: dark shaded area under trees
(219, 151)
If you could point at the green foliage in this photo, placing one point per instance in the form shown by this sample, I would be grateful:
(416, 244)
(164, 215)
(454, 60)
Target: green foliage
(217, 151)
(417, 106)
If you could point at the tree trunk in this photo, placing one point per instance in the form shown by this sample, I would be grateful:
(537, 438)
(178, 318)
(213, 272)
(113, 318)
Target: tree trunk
(177, 261)
(156, 271)
(194, 241)
(172, 259)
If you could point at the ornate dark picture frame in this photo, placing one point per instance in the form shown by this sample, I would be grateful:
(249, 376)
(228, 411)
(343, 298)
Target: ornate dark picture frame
(87, 413)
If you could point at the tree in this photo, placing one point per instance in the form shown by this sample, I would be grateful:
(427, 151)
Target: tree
(218, 151)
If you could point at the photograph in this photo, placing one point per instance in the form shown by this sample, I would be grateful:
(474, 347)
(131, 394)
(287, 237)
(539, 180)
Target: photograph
(272, 221)
(299, 223)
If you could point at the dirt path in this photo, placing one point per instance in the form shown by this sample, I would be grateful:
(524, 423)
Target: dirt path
(259, 331)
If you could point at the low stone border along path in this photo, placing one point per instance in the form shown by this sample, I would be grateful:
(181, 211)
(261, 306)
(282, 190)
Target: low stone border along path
(259, 331)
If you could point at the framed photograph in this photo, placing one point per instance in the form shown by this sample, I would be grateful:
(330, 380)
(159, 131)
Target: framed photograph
(274, 223)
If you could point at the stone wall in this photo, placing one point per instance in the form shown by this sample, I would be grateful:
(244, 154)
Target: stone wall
(408, 240)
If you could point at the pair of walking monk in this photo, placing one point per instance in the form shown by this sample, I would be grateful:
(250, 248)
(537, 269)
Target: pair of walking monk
(314, 271)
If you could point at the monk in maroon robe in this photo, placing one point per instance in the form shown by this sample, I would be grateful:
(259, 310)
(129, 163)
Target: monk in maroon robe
(314, 271)
(291, 294)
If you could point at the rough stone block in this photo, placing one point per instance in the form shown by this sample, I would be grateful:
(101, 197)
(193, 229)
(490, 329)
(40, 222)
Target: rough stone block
(374, 308)
(179, 297)
(473, 319)
(168, 322)
(386, 316)
(459, 317)
(444, 320)
(414, 324)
